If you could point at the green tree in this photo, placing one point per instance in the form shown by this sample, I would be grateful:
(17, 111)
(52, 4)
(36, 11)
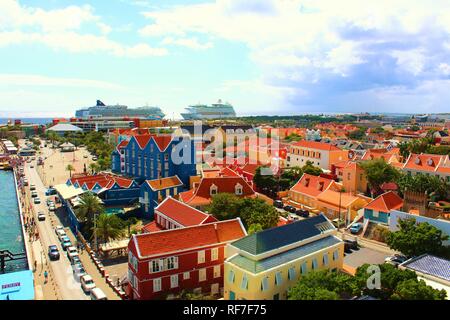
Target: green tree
(70, 168)
(254, 228)
(224, 206)
(309, 168)
(257, 211)
(93, 167)
(262, 181)
(417, 290)
(108, 227)
(378, 172)
(324, 285)
(90, 206)
(414, 239)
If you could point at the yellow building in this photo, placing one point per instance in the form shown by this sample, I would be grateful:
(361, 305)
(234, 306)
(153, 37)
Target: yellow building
(265, 265)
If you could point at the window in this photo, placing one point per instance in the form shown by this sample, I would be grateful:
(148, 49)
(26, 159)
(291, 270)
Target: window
(325, 259)
(166, 157)
(202, 275)
(216, 271)
(186, 276)
(201, 257)
(375, 214)
(349, 175)
(314, 264)
(244, 283)
(213, 190)
(172, 263)
(174, 281)
(214, 254)
(231, 276)
(157, 285)
(291, 273)
(265, 284)
(304, 268)
(156, 265)
(335, 255)
(238, 189)
(133, 261)
(278, 278)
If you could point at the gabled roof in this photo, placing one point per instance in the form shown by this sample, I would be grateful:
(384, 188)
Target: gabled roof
(142, 139)
(202, 194)
(311, 185)
(278, 237)
(316, 145)
(182, 213)
(424, 162)
(162, 141)
(64, 127)
(386, 202)
(164, 183)
(103, 180)
(122, 144)
(189, 238)
(332, 199)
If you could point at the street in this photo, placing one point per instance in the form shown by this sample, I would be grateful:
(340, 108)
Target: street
(68, 287)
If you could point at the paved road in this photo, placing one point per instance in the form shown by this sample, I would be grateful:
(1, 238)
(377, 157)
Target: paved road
(68, 287)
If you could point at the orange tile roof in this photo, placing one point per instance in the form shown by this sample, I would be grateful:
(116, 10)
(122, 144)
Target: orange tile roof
(164, 183)
(143, 139)
(316, 145)
(331, 197)
(103, 180)
(386, 202)
(423, 162)
(311, 185)
(162, 141)
(202, 193)
(151, 227)
(182, 213)
(189, 238)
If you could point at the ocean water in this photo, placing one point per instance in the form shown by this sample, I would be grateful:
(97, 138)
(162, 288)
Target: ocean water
(27, 120)
(10, 227)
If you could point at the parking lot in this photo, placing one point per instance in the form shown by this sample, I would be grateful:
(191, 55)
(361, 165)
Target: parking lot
(364, 255)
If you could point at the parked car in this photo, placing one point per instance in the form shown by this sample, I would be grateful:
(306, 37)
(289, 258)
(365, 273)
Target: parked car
(78, 271)
(66, 243)
(53, 252)
(31, 166)
(87, 283)
(37, 200)
(50, 202)
(396, 259)
(60, 233)
(25, 182)
(356, 228)
(50, 192)
(338, 223)
(34, 194)
(41, 216)
(278, 204)
(52, 207)
(94, 158)
(290, 209)
(302, 213)
(98, 294)
(350, 245)
(75, 260)
(59, 228)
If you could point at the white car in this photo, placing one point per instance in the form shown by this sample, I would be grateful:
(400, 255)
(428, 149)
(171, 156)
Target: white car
(32, 187)
(60, 233)
(98, 294)
(41, 216)
(87, 283)
(58, 228)
(52, 207)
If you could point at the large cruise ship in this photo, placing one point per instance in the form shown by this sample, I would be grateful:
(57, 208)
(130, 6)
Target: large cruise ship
(217, 110)
(101, 110)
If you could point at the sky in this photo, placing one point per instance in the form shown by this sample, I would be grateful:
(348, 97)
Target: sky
(274, 57)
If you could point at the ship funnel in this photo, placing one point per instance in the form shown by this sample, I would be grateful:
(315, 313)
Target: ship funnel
(99, 103)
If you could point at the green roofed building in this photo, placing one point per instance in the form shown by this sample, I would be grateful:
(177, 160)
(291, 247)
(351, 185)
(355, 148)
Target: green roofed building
(265, 265)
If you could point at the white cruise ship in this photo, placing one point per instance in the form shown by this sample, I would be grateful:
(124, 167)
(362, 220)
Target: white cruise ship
(217, 110)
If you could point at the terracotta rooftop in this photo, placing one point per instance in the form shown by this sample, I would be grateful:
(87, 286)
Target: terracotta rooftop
(424, 162)
(311, 185)
(165, 242)
(316, 145)
(386, 202)
(164, 183)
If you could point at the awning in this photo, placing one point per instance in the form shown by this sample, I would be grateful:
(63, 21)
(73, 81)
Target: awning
(68, 192)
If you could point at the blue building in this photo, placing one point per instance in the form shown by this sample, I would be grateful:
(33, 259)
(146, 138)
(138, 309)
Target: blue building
(150, 157)
(379, 209)
(153, 192)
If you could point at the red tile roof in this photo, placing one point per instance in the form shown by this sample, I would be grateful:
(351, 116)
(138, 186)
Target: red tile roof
(423, 162)
(311, 185)
(151, 227)
(143, 139)
(182, 213)
(103, 180)
(122, 144)
(386, 202)
(162, 141)
(168, 241)
(316, 145)
(202, 194)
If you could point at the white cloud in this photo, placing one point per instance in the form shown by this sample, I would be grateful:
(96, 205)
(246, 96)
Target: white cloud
(192, 43)
(38, 80)
(60, 29)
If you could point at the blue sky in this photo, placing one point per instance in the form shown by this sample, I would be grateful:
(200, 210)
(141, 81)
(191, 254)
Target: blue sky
(263, 56)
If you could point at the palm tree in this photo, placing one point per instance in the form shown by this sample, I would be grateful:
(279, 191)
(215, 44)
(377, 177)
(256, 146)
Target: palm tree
(93, 167)
(70, 168)
(90, 206)
(108, 227)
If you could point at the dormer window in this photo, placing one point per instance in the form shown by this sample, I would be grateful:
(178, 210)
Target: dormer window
(306, 182)
(320, 186)
(238, 189)
(213, 190)
(430, 162)
(417, 161)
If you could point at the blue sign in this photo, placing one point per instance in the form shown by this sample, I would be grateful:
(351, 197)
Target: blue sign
(17, 286)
